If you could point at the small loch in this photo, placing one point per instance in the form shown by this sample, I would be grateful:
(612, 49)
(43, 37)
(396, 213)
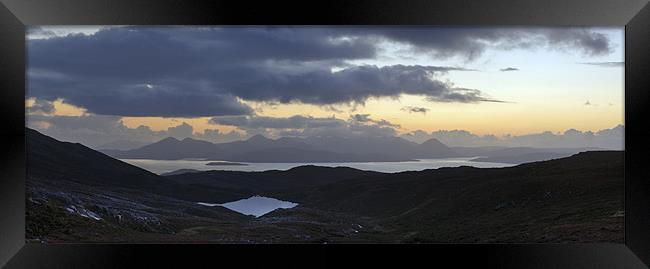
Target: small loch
(256, 205)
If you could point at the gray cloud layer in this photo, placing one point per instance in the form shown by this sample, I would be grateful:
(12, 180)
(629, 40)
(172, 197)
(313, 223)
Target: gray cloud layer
(507, 69)
(99, 131)
(41, 106)
(606, 64)
(305, 126)
(462, 95)
(472, 42)
(294, 122)
(414, 109)
(193, 71)
(108, 132)
(607, 138)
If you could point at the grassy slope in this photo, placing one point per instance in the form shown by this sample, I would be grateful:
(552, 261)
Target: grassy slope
(568, 199)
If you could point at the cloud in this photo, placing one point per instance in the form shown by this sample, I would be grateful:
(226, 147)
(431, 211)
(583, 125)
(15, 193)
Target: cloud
(450, 137)
(38, 32)
(350, 85)
(507, 69)
(293, 122)
(304, 126)
(119, 97)
(99, 130)
(607, 138)
(471, 43)
(96, 131)
(462, 95)
(365, 118)
(51, 31)
(332, 108)
(207, 71)
(216, 136)
(605, 64)
(90, 130)
(181, 131)
(40, 106)
(361, 117)
(413, 109)
(417, 136)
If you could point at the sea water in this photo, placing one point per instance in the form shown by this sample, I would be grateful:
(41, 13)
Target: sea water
(164, 166)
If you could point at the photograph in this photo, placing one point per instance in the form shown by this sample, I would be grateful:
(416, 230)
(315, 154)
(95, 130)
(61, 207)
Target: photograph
(324, 134)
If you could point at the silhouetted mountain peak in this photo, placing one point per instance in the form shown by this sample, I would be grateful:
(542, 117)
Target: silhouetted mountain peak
(189, 139)
(432, 142)
(258, 137)
(259, 148)
(288, 139)
(169, 140)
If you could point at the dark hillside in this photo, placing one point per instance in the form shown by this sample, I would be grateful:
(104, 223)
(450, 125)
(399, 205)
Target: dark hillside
(77, 194)
(52, 160)
(576, 197)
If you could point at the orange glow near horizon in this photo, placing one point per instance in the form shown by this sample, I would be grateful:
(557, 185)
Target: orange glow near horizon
(479, 118)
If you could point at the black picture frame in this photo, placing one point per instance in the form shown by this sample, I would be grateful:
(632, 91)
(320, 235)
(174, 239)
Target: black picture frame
(16, 14)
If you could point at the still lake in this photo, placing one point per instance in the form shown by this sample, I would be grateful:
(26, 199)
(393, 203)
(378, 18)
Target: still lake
(255, 205)
(164, 166)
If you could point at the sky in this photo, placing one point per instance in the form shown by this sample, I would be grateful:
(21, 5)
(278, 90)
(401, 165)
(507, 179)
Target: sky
(123, 86)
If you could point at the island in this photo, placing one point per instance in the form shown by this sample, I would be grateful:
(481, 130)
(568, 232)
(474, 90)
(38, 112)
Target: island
(219, 163)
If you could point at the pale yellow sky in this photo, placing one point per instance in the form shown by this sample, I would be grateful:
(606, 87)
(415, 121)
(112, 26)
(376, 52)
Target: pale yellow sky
(499, 119)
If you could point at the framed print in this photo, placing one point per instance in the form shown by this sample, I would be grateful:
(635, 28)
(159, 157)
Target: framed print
(140, 134)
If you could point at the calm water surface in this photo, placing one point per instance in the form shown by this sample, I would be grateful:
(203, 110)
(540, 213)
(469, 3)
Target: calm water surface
(164, 166)
(256, 205)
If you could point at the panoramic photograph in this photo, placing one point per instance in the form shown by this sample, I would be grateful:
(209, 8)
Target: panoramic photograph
(324, 134)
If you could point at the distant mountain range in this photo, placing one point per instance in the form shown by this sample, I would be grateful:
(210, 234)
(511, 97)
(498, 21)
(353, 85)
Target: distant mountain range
(287, 149)
(518, 155)
(332, 149)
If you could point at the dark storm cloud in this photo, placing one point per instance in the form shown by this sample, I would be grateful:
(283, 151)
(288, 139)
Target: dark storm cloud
(294, 122)
(507, 69)
(351, 85)
(471, 43)
(414, 109)
(606, 64)
(195, 71)
(165, 98)
(152, 53)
